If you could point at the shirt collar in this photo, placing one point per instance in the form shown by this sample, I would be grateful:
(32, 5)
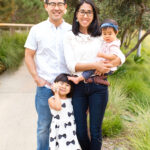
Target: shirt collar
(52, 25)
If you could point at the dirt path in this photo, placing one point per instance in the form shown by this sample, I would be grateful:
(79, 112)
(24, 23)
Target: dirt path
(17, 112)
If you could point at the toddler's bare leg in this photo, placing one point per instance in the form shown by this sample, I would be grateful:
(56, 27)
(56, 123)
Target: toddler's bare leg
(76, 80)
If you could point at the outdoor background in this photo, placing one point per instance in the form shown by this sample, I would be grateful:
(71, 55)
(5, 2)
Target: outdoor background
(127, 119)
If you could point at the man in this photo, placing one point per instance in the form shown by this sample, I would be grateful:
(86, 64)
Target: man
(45, 60)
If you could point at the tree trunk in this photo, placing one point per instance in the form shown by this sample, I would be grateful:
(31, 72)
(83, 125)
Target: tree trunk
(139, 37)
(138, 43)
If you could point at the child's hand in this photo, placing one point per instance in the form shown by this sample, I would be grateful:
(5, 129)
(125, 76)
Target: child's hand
(55, 87)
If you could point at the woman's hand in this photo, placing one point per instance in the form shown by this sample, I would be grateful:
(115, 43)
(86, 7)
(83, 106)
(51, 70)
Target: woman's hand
(116, 62)
(103, 66)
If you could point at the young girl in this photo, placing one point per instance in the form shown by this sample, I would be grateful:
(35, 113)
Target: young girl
(110, 50)
(63, 128)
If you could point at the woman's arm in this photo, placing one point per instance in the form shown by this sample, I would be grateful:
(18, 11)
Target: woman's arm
(120, 59)
(116, 62)
(106, 56)
(99, 66)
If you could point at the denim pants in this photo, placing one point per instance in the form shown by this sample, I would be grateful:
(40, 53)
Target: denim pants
(95, 97)
(44, 117)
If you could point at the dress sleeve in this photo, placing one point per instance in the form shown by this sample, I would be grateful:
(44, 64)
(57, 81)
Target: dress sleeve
(69, 52)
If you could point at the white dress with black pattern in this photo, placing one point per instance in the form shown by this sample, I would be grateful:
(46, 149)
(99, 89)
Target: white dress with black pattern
(63, 128)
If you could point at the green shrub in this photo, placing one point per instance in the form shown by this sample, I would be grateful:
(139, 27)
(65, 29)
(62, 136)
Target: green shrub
(112, 124)
(118, 102)
(12, 49)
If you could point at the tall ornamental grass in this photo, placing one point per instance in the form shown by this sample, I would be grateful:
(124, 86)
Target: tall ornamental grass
(113, 123)
(12, 49)
(139, 136)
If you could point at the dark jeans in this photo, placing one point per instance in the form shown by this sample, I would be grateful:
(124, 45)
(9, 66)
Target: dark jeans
(95, 97)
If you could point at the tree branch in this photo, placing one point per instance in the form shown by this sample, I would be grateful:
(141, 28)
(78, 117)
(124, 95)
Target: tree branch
(138, 43)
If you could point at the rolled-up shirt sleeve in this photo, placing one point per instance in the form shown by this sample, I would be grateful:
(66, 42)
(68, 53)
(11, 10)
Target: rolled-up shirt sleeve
(31, 40)
(69, 54)
(116, 51)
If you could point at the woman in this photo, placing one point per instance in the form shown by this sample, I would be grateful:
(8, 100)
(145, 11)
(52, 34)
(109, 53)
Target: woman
(81, 46)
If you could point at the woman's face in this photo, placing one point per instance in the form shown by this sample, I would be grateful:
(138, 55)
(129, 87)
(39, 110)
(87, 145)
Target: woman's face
(85, 15)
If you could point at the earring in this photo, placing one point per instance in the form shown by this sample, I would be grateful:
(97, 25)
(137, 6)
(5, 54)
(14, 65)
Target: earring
(77, 20)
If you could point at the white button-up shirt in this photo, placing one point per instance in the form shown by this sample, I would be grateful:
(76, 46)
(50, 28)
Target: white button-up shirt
(83, 49)
(47, 41)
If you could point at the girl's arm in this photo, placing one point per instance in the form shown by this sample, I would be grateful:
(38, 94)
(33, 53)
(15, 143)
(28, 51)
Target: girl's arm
(54, 102)
(107, 56)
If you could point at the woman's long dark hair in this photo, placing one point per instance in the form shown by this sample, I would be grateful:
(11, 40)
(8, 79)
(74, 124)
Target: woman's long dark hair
(93, 28)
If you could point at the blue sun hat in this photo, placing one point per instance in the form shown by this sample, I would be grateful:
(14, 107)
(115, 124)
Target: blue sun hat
(109, 25)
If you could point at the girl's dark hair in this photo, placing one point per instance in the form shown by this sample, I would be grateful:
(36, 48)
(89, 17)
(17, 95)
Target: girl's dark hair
(46, 1)
(93, 28)
(63, 77)
(110, 21)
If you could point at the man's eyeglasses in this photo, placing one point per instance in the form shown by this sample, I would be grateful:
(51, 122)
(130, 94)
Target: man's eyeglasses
(53, 4)
(88, 13)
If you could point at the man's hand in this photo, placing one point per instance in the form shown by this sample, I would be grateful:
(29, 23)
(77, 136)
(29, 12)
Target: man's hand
(103, 67)
(39, 81)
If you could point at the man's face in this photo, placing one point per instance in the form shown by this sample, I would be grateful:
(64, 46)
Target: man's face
(55, 9)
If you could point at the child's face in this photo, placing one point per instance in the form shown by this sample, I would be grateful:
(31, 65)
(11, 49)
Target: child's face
(64, 88)
(108, 34)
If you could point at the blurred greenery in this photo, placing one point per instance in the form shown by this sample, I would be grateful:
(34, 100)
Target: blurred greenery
(11, 50)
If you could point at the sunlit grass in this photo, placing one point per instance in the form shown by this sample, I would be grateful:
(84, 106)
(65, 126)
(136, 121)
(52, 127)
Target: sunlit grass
(139, 136)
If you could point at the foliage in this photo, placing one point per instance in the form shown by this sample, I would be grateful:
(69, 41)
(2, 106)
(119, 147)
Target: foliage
(130, 15)
(139, 136)
(22, 11)
(11, 49)
(32, 10)
(7, 9)
(112, 124)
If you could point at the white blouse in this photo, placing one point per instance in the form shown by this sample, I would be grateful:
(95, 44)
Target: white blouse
(82, 48)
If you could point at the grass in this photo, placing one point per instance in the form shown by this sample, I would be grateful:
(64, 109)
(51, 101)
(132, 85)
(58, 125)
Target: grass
(140, 132)
(113, 123)
(12, 49)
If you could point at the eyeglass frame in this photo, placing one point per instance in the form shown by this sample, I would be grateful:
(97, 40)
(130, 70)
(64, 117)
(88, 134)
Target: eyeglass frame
(88, 13)
(53, 4)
